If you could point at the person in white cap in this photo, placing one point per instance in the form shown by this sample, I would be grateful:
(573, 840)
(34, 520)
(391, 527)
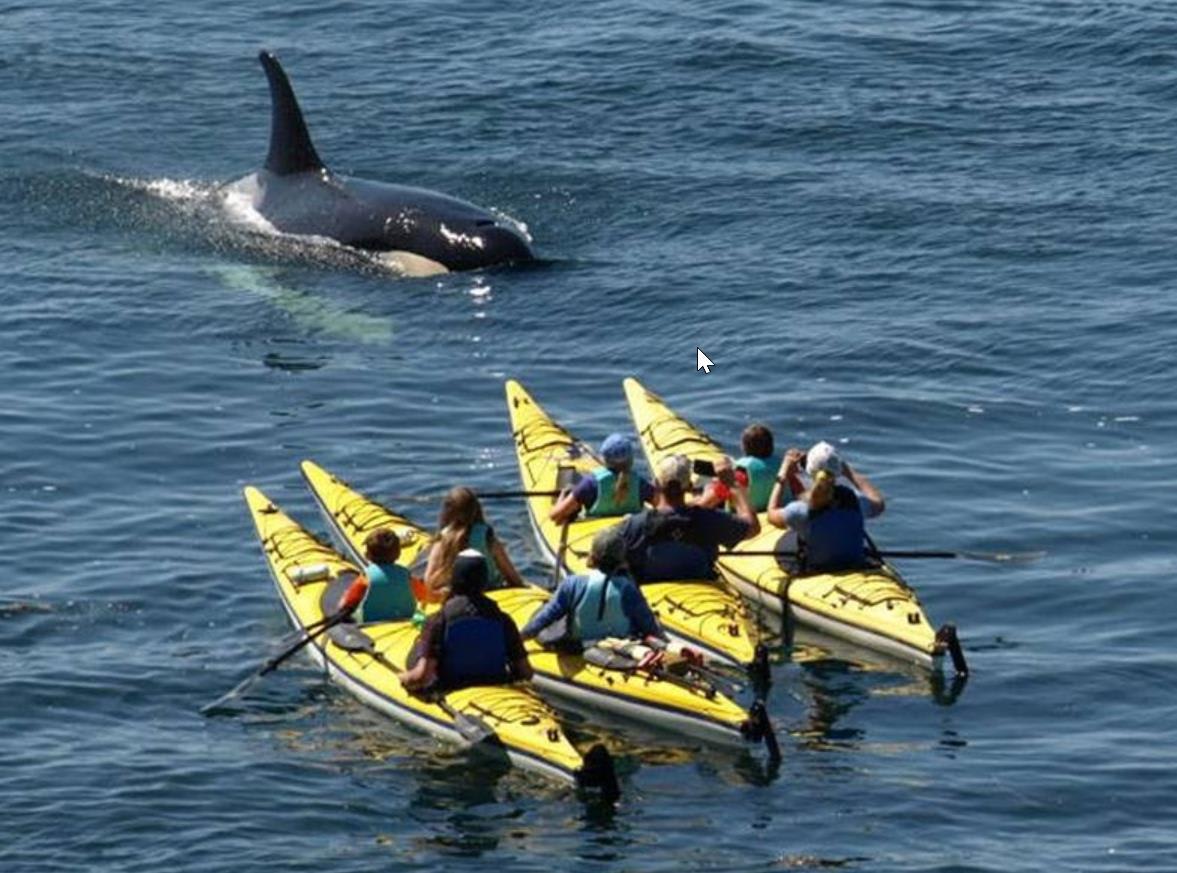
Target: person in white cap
(676, 541)
(829, 517)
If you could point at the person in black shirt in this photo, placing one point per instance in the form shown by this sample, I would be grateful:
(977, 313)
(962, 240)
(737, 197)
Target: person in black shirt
(469, 641)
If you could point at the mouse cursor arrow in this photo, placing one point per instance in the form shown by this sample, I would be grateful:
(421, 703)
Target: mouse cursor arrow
(705, 363)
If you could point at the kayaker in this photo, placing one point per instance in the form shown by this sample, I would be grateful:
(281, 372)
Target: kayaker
(758, 465)
(389, 594)
(462, 525)
(829, 517)
(469, 641)
(602, 603)
(610, 490)
(756, 470)
(677, 541)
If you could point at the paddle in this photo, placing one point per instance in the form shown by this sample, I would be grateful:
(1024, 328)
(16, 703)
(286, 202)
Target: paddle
(347, 605)
(560, 555)
(471, 728)
(992, 557)
(395, 499)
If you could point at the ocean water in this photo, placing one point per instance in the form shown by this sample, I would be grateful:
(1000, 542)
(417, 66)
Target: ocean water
(941, 234)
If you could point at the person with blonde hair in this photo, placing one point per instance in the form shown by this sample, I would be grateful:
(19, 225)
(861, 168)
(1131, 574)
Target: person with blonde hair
(828, 517)
(462, 525)
(611, 490)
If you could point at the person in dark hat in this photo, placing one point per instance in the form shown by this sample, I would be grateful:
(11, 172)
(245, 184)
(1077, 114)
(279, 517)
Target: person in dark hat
(612, 489)
(469, 641)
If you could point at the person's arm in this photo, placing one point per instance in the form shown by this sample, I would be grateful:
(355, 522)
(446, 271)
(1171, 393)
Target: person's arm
(423, 673)
(557, 607)
(867, 489)
(503, 562)
(788, 477)
(570, 504)
(566, 508)
(433, 582)
(641, 618)
(739, 497)
(520, 666)
(714, 496)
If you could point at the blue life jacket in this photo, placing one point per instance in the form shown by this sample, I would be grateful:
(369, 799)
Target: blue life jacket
(606, 503)
(473, 652)
(761, 479)
(837, 534)
(479, 541)
(672, 548)
(389, 596)
(599, 613)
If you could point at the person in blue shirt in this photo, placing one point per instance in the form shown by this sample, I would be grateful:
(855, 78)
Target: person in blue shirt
(390, 596)
(611, 490)
(602, 603)
(829, 518)
(675, 541)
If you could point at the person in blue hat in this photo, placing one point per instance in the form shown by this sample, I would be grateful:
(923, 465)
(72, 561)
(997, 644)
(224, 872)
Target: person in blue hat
(611, 490)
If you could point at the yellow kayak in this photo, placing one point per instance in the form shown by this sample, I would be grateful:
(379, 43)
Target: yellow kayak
(363, 659)
(874, 608)
(694, 708)
(701, 613)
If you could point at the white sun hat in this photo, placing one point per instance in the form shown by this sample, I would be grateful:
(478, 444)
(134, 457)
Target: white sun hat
(823, 456)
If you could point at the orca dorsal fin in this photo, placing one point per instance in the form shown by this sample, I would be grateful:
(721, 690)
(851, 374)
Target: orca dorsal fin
(291, 149)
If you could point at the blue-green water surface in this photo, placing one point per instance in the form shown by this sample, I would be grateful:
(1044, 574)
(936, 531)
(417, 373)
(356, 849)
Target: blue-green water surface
(939, 233)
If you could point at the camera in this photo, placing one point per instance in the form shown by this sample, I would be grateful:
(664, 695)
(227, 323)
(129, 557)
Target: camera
(702, 467)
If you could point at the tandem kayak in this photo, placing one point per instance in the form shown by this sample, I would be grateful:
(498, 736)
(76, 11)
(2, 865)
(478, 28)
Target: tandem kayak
(687, 705)
(363, 659)
(702, 613)
(874, 607)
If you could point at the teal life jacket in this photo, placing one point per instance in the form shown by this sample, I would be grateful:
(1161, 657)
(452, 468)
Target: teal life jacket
(598, 613)
(479, 541)
(389, 595)
(606, 503)
(761, 479)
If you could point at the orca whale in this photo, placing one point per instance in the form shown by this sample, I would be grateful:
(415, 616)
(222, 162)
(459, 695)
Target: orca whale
(425, 231)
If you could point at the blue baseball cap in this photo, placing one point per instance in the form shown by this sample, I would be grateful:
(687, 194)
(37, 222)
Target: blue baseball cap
(617, 452)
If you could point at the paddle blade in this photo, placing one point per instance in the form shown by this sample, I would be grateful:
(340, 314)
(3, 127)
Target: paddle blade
(1005, 557)
(471, 728)
(598, 774)
(219, 705)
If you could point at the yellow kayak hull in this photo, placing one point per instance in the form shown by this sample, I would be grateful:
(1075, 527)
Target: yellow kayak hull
(702, 613)
(695, 711)
(525, 727)
(872, 608)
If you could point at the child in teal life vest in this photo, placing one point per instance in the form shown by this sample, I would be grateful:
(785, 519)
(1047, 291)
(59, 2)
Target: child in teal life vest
(610, 490)
(756, 470)
(390, 596)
